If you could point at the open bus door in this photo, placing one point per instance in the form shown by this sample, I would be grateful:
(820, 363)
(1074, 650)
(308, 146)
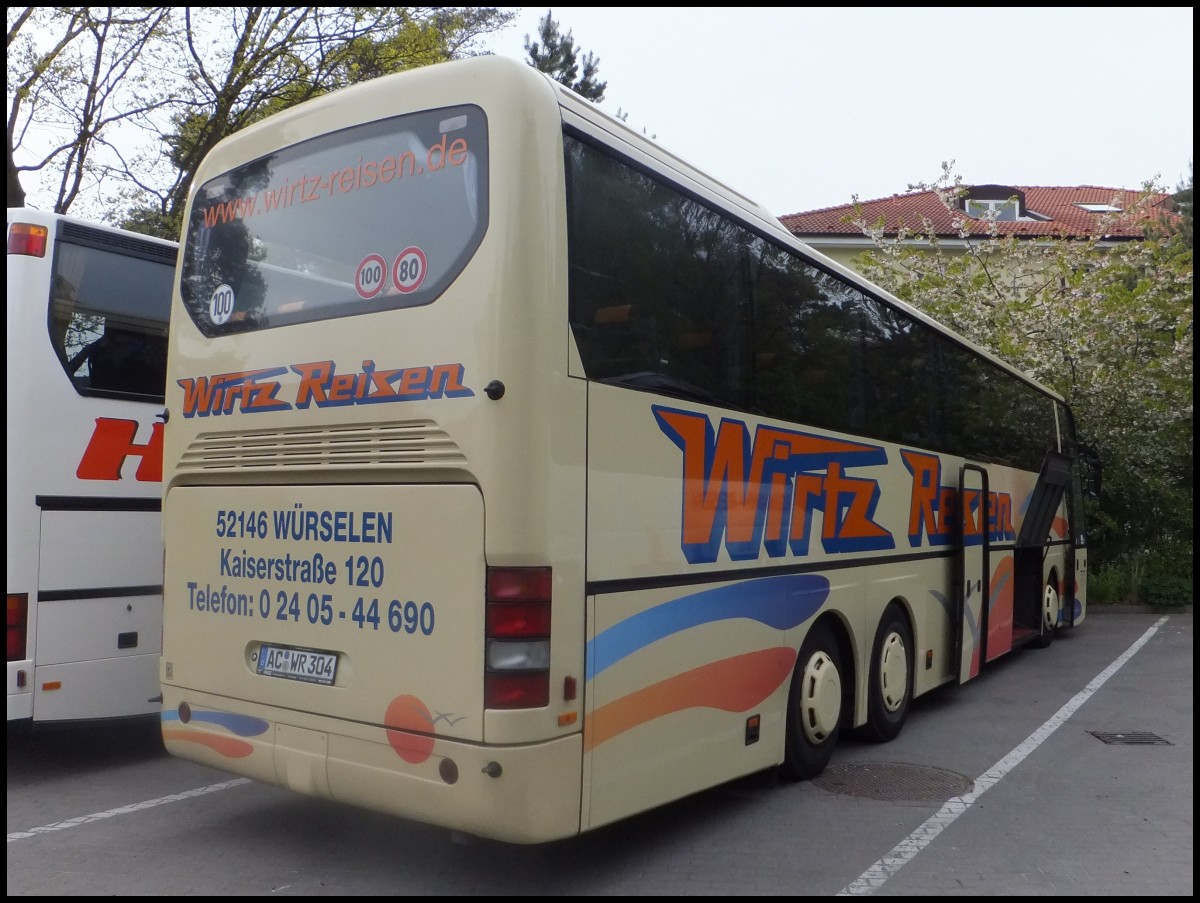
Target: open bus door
(1085, 480)
(974, 566)
(1036, 605)
(1077, 539)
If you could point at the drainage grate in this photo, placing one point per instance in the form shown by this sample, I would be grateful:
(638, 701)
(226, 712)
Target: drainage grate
(893, 781)
(1131, 738)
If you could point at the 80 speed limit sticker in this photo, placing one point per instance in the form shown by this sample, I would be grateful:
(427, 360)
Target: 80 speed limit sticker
(408, 272)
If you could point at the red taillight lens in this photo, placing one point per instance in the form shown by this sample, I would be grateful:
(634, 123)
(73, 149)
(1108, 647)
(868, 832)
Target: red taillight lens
(518, 619)
(517, 666)
(28, 239)
(518, 584)
(516, 690)
(17, 620)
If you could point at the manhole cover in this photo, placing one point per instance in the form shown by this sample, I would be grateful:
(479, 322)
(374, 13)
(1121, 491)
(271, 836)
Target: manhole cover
(893, 781)
(1134, 738)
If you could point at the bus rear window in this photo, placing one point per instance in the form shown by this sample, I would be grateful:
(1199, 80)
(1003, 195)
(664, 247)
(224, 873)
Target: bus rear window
(375, 217)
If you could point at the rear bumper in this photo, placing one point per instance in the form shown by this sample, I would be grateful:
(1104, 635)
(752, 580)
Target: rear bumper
(118, 687)
(518, 793)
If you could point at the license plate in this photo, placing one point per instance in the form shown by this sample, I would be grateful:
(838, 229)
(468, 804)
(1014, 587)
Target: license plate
(298, 664)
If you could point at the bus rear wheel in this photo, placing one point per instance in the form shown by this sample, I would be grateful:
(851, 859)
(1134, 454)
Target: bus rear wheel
(1051, 605)
(814, 706)
(889, 693)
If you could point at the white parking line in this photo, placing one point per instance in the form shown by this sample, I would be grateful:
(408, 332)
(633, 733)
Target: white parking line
(126, 810)
(902, 853)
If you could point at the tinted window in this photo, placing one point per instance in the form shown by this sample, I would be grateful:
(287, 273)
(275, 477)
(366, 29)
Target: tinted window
(110, 300)
(669, 295)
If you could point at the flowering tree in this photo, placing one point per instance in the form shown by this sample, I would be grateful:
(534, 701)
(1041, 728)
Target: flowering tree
(1108, 325)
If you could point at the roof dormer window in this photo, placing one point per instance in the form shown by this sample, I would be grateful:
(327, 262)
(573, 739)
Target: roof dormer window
(1000, 203)
(1003, 211)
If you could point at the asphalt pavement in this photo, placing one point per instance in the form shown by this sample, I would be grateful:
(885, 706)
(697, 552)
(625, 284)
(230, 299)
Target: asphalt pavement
(1064, 771)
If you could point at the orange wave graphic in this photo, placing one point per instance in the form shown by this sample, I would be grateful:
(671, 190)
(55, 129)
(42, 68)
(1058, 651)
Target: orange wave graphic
(230, 747)
(732, 685)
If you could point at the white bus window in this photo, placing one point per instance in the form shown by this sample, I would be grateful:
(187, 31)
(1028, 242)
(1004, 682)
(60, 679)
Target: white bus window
(109, 307)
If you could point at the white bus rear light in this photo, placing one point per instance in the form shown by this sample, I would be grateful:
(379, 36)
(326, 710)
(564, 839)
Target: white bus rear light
(27, 239)
(16, 622)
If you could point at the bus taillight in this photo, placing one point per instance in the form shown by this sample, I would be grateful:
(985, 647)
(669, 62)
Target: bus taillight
(28, 239)
(18, 618)
(517, 674)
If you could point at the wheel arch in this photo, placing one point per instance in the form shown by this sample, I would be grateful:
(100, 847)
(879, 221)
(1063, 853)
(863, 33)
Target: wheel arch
(1056, 581)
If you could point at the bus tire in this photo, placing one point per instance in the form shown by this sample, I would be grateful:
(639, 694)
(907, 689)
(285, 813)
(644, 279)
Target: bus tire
(889, 692)
(814, 706)
(1051, 608)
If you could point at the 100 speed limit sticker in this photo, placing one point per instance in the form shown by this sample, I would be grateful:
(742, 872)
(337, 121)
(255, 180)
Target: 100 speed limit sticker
(371, 276)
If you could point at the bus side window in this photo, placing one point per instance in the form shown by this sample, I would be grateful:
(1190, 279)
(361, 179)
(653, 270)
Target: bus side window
(127, 360)
(612, 344)
(65, 335)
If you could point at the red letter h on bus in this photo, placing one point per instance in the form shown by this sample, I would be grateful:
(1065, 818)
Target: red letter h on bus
(112, 442)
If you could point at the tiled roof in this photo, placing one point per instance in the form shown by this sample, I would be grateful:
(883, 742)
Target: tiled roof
(1058, 205)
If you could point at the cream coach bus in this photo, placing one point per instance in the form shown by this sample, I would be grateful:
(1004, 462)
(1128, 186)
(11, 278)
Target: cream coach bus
(519, 477)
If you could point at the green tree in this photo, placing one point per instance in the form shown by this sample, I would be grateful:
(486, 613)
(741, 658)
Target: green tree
(280, 57)
(173, 90)
(557, 56)
(80, 75)
(1106, 324)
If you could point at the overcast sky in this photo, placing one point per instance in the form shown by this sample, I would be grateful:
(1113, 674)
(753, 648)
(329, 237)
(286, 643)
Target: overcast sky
(806, 108)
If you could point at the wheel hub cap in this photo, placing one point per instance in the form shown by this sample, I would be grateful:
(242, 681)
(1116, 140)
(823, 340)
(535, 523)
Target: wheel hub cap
(893, 672)
(821, 702)
(1050, 608)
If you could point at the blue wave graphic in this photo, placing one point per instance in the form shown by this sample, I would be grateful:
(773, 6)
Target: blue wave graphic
(779, 602)
(242, 725)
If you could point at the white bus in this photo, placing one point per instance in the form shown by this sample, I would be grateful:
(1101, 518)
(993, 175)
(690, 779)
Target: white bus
(519, 477)
(86, 347)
